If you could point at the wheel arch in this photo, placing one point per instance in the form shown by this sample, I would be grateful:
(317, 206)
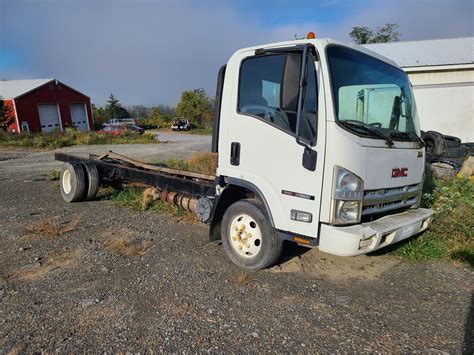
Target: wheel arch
(235, 190)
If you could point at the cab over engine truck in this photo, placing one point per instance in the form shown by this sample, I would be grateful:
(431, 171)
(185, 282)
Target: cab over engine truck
(318, 143)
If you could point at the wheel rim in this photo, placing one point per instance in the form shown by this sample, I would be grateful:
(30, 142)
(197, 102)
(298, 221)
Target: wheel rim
(245, 236)
(66, 182)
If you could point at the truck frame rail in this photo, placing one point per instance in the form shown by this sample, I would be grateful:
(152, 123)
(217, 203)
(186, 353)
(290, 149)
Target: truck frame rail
(114, 169)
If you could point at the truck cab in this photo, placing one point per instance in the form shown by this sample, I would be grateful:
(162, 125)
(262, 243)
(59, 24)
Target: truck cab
(319, 143)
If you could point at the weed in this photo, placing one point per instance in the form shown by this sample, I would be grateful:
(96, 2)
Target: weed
(54, 175)
(127, 247)
(202, 162)
(201, 131)
(53, 227)
(451, 234)
(242, 279)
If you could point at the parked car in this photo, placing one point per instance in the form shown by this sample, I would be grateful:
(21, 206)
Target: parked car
(114, 129)
(181, 125)
(135, 128)
(124, 121)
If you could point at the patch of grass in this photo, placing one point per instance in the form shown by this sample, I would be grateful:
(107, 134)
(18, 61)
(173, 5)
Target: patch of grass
(242, 279)
(54, 175)
(133, 197)
(201, 131)
(202, 162)
(69, 138)
(451, 234)
(128, 247)
(53, 227)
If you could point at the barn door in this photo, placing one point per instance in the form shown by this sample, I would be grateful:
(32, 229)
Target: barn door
(49, 117)
(78, 116)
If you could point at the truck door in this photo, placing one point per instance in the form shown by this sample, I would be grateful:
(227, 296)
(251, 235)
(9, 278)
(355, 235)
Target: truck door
(260, 147)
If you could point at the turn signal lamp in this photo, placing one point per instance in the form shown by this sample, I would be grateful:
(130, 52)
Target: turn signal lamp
(310, 35)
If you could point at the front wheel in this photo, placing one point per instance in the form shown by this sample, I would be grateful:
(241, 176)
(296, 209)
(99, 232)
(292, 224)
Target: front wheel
(249, 239)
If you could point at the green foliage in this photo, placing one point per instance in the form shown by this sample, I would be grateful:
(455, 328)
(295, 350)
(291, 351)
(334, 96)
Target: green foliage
(202, 162)
(132, 197)
(201, 131)
(69, 138)
(452, 232)
(384, 34)
(100, 115)
(6, 116)
(54, 175)
(114, 108)
(159, 116)
(196, 106)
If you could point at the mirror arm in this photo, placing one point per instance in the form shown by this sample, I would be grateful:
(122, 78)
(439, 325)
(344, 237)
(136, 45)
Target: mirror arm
(300, 97)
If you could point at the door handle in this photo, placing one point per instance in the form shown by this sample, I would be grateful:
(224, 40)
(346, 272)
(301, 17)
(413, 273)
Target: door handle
(235, 153)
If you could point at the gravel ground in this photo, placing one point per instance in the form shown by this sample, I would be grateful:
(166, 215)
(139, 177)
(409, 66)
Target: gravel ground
(75, 292)
(33, 162)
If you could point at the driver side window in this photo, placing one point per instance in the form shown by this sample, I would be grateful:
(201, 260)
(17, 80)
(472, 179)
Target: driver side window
(259, 94)
(259, 90)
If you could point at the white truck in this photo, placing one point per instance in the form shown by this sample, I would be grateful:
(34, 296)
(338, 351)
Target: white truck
(318, 143)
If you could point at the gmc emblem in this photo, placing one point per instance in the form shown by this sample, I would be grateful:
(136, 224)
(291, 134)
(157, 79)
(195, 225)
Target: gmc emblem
(399, 172)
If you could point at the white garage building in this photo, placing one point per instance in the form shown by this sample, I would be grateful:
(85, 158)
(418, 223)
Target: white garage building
(442, 74)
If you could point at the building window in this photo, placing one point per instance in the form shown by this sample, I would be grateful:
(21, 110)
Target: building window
(24, 127)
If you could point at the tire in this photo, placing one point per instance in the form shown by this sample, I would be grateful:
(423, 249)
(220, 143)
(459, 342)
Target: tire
(456, 153)
(443, 168)
(451, 142)
(93, 183)
(72, 182)
(434, 142)
(260, 247)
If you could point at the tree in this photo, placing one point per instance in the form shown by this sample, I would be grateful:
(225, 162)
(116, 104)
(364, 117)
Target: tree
(114, 108)
(384, 34)
(100, 116)
(196, 106)
(6, 116)
(138, 111)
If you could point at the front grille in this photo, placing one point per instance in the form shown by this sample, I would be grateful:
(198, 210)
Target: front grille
(384, 200)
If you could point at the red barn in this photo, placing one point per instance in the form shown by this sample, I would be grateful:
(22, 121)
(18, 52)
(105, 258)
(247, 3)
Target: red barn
(44, 105)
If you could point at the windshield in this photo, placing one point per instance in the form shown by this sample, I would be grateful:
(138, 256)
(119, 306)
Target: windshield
(372, 94)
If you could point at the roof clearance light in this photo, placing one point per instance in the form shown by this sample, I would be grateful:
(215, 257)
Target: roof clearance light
(310, 35)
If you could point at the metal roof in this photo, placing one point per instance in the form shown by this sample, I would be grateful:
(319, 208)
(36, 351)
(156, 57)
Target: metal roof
(10, 89)
(427, 52)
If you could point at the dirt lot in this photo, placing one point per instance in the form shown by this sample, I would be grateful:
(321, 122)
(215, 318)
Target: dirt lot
(123, 280)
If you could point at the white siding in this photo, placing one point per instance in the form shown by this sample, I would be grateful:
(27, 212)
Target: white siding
(448, 109)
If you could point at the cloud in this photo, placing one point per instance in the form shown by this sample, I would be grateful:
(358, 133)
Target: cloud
(143, 52)
(148, 52)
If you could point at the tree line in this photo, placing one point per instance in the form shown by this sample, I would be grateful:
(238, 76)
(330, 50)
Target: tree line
(194, 105)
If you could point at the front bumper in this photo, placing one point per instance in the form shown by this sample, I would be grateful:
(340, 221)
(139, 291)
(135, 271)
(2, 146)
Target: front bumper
(367, 237)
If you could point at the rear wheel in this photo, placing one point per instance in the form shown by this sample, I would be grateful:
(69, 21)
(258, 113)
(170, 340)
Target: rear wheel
(92, 180)
(248, 238)
(73, 182)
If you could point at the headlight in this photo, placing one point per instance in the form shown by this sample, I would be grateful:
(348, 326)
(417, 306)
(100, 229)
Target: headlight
(348, 192)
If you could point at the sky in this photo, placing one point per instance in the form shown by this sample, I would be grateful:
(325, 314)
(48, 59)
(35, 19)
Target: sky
(147, 52)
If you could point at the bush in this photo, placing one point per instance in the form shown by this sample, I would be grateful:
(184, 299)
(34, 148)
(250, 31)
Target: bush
(202, 162)
(452, 232)
(69, 138)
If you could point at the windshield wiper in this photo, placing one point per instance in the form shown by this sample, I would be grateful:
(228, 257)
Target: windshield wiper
(408, 134)
(368, 129)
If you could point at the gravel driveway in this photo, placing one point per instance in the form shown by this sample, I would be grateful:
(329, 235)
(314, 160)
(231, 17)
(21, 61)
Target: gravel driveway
(35, 162)
(75, 293)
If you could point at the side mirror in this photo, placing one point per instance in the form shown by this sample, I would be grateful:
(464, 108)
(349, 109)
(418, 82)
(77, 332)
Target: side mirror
(290, 83)
(309, 159)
